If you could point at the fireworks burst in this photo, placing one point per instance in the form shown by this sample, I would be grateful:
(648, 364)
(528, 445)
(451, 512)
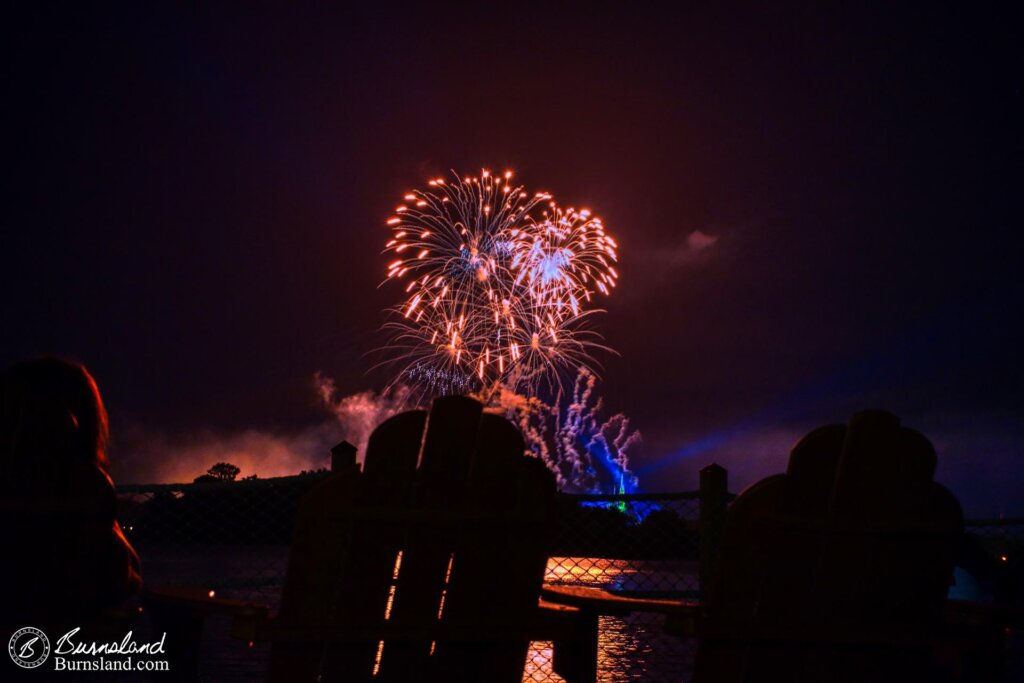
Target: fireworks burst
(498, 283)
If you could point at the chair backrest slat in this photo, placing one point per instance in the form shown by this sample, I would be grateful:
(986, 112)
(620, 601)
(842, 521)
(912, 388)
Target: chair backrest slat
(427, 552)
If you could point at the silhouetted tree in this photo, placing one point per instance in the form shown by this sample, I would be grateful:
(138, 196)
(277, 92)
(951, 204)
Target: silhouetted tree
(223, 471)
(322, 470)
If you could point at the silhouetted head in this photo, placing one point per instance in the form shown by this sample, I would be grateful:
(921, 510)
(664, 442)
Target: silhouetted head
(69, 558)
(52, 419)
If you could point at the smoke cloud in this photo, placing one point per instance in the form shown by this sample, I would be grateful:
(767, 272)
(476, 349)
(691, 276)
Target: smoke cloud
(695, 244)
(359, 414)
(140, 455)
(144, 456)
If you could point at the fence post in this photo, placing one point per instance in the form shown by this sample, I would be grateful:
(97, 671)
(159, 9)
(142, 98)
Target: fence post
(714, 484)
(343, 457)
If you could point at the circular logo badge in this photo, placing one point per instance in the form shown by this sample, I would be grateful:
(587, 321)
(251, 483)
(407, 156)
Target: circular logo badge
(28, 647)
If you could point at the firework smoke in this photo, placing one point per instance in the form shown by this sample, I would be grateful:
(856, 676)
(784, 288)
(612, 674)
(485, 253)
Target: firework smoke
(148, 456)
(359, 414)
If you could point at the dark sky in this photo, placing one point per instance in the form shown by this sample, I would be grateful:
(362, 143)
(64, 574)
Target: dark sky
(195, 206)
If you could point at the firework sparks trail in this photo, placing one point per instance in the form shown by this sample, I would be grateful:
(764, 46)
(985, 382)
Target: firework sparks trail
(498, 284)
(575, 441)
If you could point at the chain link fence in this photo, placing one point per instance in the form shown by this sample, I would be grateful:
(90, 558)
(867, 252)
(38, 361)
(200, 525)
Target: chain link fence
(639, 545)
(1001, 537)
(233, 538)
(230, 537)
(992, 561)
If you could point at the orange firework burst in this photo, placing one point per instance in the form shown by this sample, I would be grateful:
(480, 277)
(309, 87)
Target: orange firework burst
(498, 284)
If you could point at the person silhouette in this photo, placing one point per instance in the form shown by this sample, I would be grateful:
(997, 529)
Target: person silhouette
(67, 560)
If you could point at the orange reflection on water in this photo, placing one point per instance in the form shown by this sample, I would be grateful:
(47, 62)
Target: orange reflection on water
(538, 663)
(621, 655)
(626, 646)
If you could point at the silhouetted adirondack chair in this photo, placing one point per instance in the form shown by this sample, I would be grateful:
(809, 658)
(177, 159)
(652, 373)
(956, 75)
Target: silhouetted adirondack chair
(836, 571)
(427, 565)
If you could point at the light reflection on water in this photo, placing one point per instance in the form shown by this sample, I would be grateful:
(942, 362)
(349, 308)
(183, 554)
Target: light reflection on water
(631, 648)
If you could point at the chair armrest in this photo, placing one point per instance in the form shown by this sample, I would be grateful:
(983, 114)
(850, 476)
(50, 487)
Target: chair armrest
(604, 602)
(202, 601)
(187, 607)
(681, 618)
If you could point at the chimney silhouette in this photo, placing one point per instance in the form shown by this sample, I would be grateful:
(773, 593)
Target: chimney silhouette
(343, 457)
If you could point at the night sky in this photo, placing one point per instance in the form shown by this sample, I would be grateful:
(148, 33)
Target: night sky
(818, 212)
